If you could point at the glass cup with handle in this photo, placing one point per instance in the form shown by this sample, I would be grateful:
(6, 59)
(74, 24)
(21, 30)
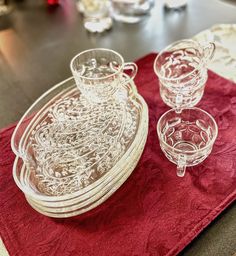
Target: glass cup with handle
(182, 71)
(99, 73)
(186, 138)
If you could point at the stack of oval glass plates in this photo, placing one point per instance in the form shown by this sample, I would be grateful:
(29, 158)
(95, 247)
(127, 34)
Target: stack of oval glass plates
(71, 154)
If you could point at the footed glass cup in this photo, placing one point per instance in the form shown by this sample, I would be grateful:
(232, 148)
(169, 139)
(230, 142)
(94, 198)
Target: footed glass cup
(99, 73)
(182, 71)
(186, 138)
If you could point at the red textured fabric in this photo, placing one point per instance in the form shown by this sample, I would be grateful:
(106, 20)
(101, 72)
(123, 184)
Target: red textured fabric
(154, 212)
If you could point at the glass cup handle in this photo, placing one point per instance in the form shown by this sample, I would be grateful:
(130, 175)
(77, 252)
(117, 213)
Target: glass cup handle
(179, 101)
(209, 51)
(134, 69)
(181, 165)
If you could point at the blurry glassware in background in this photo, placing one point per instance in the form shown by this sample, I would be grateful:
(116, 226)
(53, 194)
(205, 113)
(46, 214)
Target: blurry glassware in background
(5, 7)
(80, 6)
(175, 4)
(96, 14)
(130, 11)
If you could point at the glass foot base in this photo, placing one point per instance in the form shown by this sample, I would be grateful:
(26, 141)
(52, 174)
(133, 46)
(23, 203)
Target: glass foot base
(97, 25)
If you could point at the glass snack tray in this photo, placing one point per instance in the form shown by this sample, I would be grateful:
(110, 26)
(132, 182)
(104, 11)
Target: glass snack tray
(59, 210)
(73, 154)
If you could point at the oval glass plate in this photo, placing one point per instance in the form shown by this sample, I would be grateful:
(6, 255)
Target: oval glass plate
(72, 148)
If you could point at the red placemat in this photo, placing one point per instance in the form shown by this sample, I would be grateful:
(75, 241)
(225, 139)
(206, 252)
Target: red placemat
(154, 212)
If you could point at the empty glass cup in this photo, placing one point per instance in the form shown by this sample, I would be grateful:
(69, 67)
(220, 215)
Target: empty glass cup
(182, 71)
(99, 73)
(186, 138)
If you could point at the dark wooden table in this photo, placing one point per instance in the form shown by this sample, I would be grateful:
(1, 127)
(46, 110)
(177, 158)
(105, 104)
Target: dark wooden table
(37, 44)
